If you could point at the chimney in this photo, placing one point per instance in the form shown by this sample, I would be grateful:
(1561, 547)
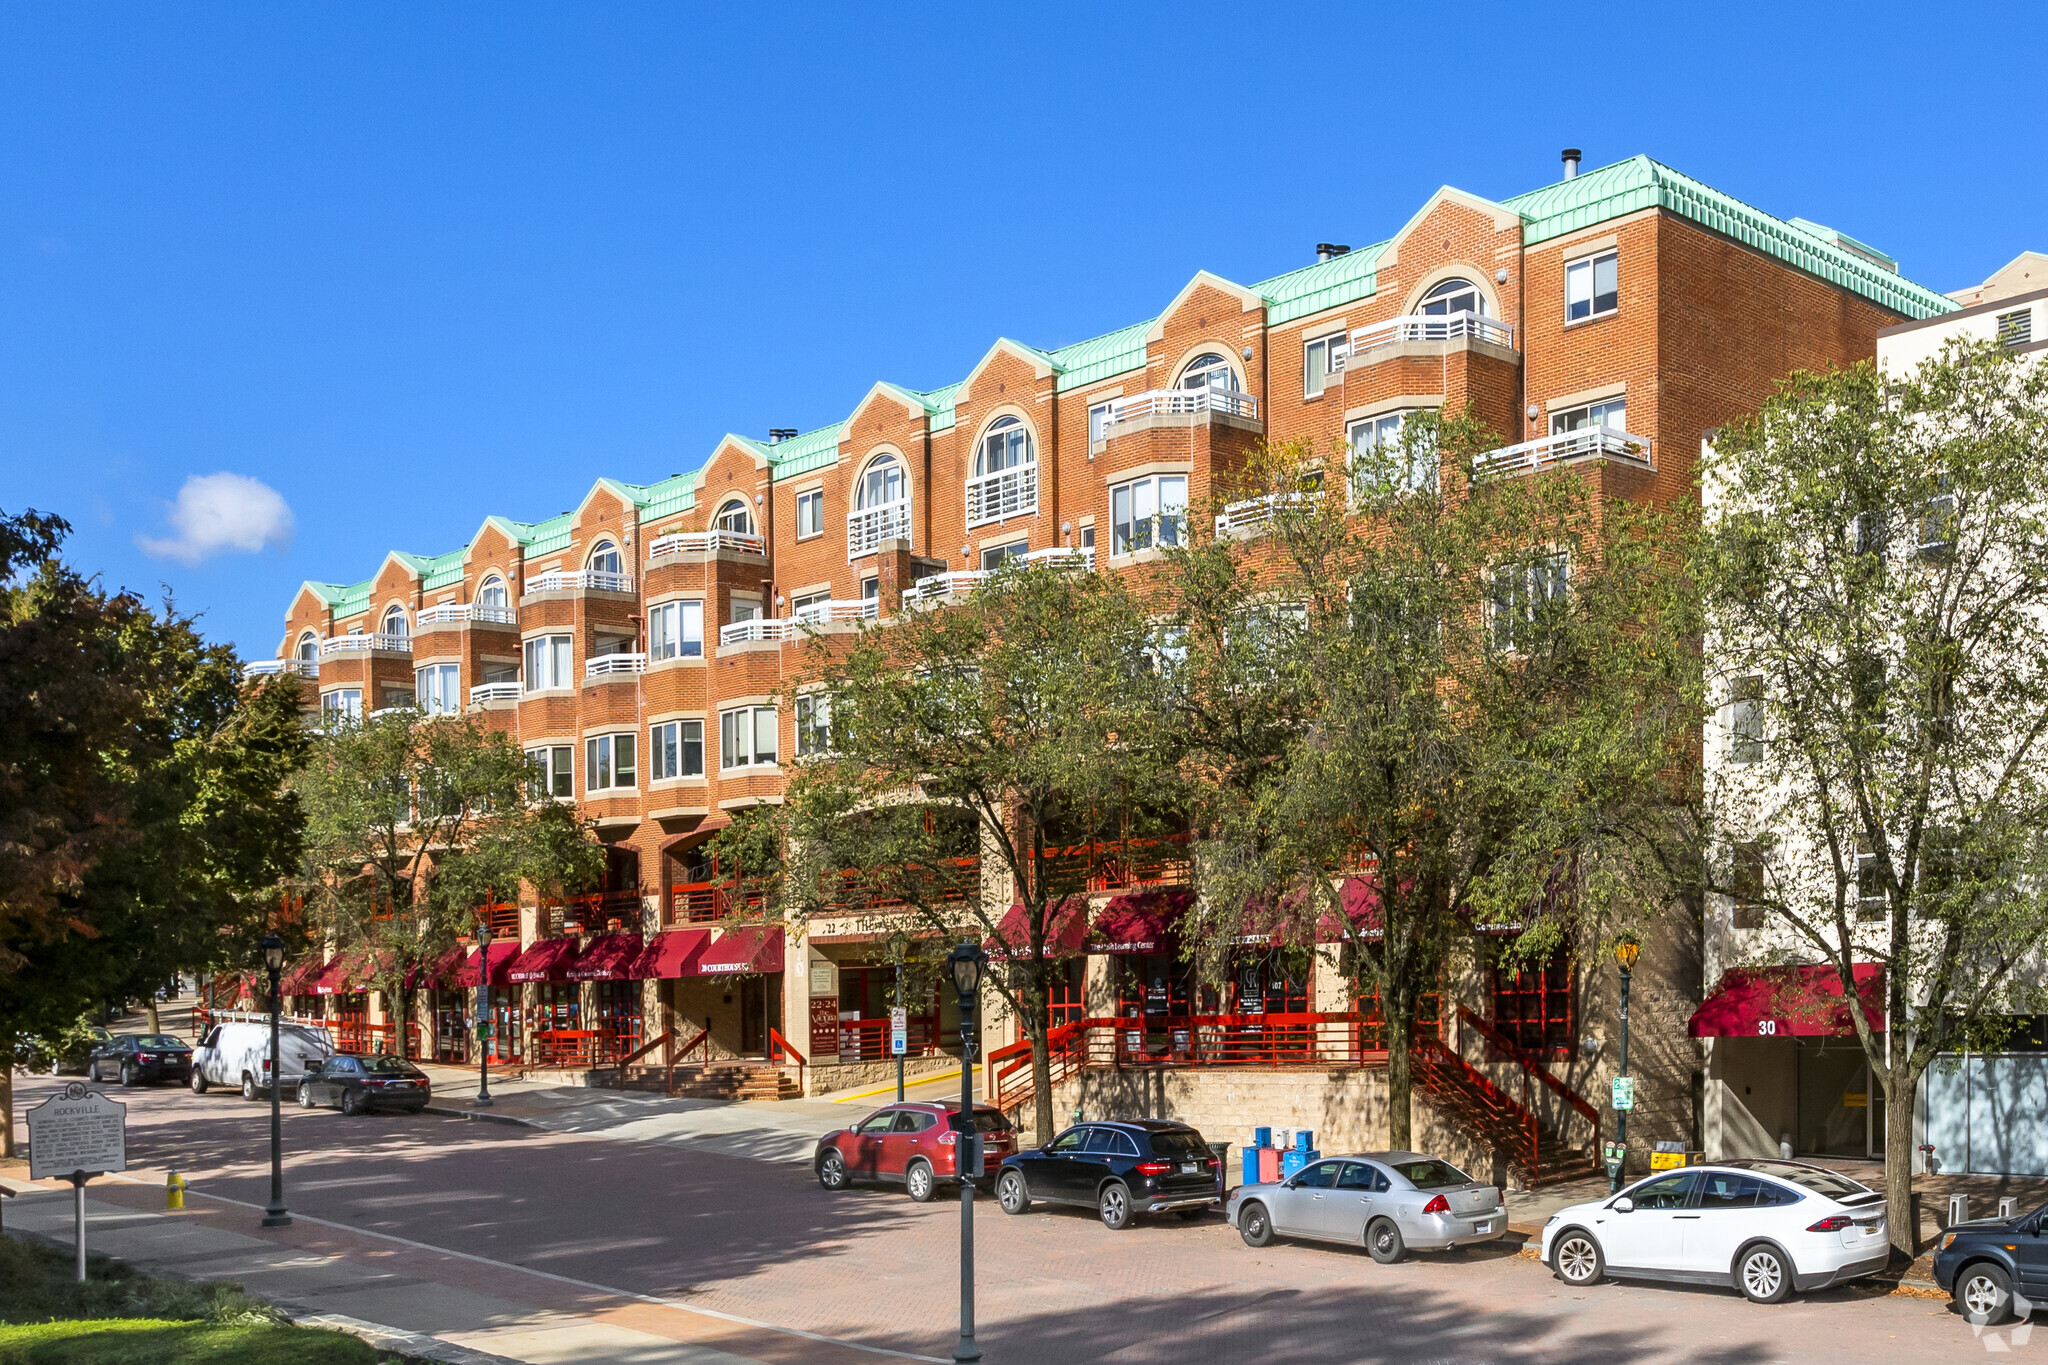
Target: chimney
(777, 435)
(1571, 162)
(1330, 251)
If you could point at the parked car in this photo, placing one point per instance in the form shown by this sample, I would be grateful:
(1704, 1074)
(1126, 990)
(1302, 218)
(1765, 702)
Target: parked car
(1767, 1227)
(911, 1144)
(1389, 1201)
(73, 1049)
(1995, 1267)
(133, 1058)
(1118, 1169)
(238, 1054)
(356, 1085)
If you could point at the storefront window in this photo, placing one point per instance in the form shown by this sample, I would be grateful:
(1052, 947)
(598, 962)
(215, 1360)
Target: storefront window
(1533, 1007)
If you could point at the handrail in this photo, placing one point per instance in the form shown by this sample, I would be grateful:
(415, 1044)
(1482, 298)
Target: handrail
(263, 668)
(609, 665)
(460, 613)
(641, 1051)
(775, 1040)
(360, 644)
(497, 691)
(868, 527)
(592, 580)
(1582, 443)
(704, 542)
(1431, 327)
(1006, 493)
(1181, 401)
(1493, 1034)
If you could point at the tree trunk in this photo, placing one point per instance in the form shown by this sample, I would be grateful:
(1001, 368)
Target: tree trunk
(149, 1009)
(1898, 1157)
(1041, 1082)
(1400, 1085)
(7, 1093)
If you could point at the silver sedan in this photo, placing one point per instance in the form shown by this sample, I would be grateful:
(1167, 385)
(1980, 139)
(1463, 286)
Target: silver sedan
(1390, 1201)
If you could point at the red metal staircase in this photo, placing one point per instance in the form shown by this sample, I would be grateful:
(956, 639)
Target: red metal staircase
(1467, 1097)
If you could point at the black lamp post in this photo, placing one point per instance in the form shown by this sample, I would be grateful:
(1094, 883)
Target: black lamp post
(1625, 951)
(483, 1012)
(274, 1215)
(966, 963)
(896, 951)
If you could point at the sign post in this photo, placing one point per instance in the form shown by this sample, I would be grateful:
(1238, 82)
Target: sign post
(75, 1136)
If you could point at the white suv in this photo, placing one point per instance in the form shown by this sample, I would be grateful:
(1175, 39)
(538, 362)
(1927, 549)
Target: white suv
(1767, 1227)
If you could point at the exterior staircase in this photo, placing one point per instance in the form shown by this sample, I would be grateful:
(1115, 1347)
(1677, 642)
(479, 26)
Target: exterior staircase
(716, 1081)
(1468, 1098)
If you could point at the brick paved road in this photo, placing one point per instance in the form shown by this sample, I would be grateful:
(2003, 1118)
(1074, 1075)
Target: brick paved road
(762, 1241)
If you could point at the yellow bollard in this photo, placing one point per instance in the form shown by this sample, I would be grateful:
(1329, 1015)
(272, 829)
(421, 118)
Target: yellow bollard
(174, 1191)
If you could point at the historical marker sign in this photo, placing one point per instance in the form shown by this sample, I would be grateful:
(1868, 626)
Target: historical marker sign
(78, 1130)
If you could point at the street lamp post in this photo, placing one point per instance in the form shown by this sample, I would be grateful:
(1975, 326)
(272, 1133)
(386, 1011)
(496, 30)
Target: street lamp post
(274, 1215)
(966, 963)
(897, 953)
(483, 1012)
(1625, 951)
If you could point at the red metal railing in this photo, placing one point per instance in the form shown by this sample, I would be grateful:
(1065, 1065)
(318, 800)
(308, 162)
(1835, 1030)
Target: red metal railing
(594, 912)
(960, 884)
(867, 1040)
(583, 1047)
(353, 1035)
(1120, 865)
(1533, 1071)
(708, 903)
(503, 918)
(779, 1047)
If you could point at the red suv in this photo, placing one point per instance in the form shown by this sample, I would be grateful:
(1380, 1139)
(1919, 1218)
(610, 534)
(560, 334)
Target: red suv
(913, 1143)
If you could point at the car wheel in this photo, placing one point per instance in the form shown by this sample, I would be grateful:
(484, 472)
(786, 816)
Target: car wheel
(1763, 1275)
(129, 1077)
(197, 1080)
(920, 1182)
(1383, 1240)
(832, 1172)
(1013, 1193)
(1577, 1260)
(1984, 1294)
(1255, 1225)
(351, 1102)
(305, 1095)
(249, 1090)
(1114, 1205)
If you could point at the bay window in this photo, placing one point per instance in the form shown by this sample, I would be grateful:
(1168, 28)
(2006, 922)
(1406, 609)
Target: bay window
(553, 774)
(608, 763)
(675, 630)
(675, 749)
(438, 689)
(1146, 512)
(813, 724)
(547, 663)
(746, 737)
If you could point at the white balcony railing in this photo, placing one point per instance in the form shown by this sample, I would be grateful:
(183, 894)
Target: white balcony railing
(1004, 494)
(1430, 327)
(497, 691)
(462, 613)
(365, 644)
(607, 665)
(792, 627)
(704, 542)
(1158, 401)
(870, 526)
(1253, 515)
(594, 580)
(264, 668)
(959, 582)
(1585, 443)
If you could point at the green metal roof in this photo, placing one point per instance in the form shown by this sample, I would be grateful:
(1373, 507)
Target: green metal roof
(676, 493)
(442, 570)
(1326, 284)
(802, 453)
(1084, 362)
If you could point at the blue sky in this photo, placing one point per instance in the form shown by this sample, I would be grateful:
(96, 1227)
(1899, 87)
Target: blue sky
(407, 265)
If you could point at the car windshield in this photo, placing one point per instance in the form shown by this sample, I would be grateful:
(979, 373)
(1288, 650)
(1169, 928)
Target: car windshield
(158, 1040)
(991, 1121)
(1179, 1142)
(1825, 1183)
(1430, 1174)
(388, 1066)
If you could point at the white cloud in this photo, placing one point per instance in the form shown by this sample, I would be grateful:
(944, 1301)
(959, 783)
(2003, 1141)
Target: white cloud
(216, 513)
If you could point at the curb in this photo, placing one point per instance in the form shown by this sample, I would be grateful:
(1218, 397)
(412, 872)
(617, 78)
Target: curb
(407, 1343)
(477, 1116)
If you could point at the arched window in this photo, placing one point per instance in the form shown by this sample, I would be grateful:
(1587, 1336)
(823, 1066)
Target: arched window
(1006, 446)
(309, 647)
(1454, 296)
(394, 622)
(492, 593)
(735, 517)
(884, 483)
(604, 558)
(1209, 371)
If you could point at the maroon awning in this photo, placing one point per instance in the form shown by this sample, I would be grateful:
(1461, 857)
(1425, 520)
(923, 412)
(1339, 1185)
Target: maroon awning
(434, 975)
(755, 948)
(299, 980)
(1138, 924)
(337, 976)
(1066, 931)
(670, 954)
(466, 976)
(1795, 1002)
(609, 957)
(547, 960)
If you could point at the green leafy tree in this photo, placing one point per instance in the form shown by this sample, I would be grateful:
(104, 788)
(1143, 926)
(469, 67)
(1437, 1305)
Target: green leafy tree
(412, 824)
(1875, 577)
(1467, 696)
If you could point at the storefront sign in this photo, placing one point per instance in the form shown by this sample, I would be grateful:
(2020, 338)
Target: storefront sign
(77, 1131)
(1624, 1093)
(824, 1026)
(899, 1031)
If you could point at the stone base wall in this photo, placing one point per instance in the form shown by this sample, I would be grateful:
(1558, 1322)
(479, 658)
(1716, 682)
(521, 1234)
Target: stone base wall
(830, 1076)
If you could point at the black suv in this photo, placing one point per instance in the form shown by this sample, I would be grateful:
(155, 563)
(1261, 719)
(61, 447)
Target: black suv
(137, 1057)
(1995, 1267)
(1118, 1169)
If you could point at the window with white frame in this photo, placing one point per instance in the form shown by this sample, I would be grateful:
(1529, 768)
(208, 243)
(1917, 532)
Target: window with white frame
(553, 773)
(309, 648)
(1523, 595)
(1321, 359)
(1098, 422)
(492, 594)
(609, 762)
(1746, 720)
(1006, 446)
(884, 484)
(871, 590)
(994, 556)
(345, 702)
(1146, 512)
(438, 689)
(745, 609)
(1377, 440)
(746, 737)
(810, 514)
(815, 606)
(1610, 413)
(604, 558)
(675, 630)
(1453, 296)
(547, 663)
(394, 622)
(675, 748)
(1592, 286)
(813, 724)
(734, 516)
(1208, 371)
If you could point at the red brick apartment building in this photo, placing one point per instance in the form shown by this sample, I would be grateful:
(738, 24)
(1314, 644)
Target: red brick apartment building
(636, 644)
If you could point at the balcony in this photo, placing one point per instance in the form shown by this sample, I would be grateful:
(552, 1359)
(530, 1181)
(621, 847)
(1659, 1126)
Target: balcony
(485, 693)
(1459, 326)
(612, 665)
(588, 580)
(265, 668)
(793, 627)
(462, 613)
(959, 582)
(1004, 494)
(366, 644)
(870, 526)
(1242, 520)
(704, 542)
(1566, 447)
(1182, 402)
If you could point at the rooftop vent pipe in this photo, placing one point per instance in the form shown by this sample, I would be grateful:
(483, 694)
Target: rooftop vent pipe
(1330, 251)
(777, 435)
(1571, 162)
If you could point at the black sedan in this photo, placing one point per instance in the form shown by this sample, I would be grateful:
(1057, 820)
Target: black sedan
(1118, 1169)
(132, 1058)
(1995, 1267)
(360, 1084)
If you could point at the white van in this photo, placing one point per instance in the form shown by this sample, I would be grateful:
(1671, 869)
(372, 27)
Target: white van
(237, 1053)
